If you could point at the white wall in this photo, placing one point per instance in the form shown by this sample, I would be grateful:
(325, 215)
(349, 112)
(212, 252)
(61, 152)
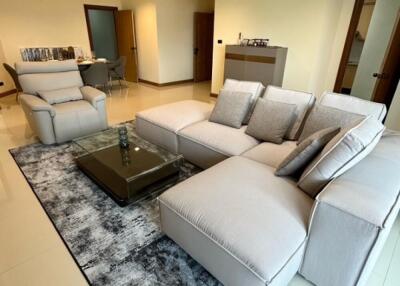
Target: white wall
(42, 23)
(378, 37)
(313, 31)
(393, 117)
(175, 37)
(164, 33)
(145, 13)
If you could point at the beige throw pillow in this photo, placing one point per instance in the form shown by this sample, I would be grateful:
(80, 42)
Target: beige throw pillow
(307, 150)
(345, 150)
(270, 120)
(231, 108)
(322, 117)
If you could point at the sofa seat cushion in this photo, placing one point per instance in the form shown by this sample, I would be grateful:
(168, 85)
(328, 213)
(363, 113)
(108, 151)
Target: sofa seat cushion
(207, 143)
(259, 219)
(159, 125)
(269, 153)
(75, 119)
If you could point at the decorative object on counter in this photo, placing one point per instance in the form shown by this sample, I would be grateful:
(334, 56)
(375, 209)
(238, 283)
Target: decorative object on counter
(123, 137)
(262, 43)
(50, 53)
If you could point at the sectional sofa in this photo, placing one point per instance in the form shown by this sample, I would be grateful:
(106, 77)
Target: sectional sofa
(246, 225)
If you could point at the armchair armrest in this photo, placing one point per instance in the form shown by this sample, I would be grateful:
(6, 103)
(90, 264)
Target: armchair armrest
(352, 218)
(93, 95)
(35, 103)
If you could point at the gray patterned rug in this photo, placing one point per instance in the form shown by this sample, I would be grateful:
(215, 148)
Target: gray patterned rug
(110, 244)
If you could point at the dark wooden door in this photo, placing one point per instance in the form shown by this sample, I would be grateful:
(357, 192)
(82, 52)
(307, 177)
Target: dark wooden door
(203, 46)
(388, 77)
(127, 43)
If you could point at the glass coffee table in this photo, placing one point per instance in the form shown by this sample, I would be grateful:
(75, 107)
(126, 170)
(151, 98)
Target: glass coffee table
(126, 174)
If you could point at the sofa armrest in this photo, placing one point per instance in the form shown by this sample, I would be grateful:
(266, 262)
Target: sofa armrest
(93, 95)
(352, 218)
(35, 103)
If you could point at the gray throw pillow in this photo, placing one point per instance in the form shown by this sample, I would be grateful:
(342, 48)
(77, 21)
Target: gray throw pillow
(231, 108)
(345, 150)
(307, 150)
(322, 117)
(270, 120)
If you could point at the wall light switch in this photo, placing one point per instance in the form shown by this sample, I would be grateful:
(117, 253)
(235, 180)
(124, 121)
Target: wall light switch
(219, 41)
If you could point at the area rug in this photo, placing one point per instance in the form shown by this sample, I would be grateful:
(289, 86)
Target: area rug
(110, 244)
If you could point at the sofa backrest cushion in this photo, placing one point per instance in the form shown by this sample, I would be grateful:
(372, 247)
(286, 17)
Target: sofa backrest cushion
(61, 95)
(270, 120)
(231, 108)
(345, 150)
(354, 104)
(45, 76)
(255, 88)
(322, 117)
(305, 152)
(303, 101)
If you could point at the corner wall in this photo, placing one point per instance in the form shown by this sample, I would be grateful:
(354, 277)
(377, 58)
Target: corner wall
(164, 35)
(313, 31)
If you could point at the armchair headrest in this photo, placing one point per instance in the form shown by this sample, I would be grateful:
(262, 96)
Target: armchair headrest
(45, 67)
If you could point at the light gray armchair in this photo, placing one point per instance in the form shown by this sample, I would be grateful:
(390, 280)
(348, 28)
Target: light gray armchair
(56, 104)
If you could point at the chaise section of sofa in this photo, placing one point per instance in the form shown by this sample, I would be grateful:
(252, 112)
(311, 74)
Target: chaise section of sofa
(242, 223)
(352, 218)
(161, 124)
(207, 143)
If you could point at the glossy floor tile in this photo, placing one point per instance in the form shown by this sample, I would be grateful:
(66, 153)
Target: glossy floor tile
(32, 253)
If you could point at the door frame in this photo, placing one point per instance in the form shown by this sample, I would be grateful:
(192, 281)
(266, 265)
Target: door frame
(355, 18)
(385, 88)
(88, 7)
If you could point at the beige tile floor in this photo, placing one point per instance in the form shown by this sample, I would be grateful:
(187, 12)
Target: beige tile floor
(32, 253)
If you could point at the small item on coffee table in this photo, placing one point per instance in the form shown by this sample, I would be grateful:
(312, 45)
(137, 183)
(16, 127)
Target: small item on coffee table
(123, 137)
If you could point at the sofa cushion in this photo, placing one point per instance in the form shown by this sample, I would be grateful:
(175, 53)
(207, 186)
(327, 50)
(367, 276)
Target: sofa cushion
(256, 218)
(159, 125)
(75, 119)
(213, 141)
(354, 104)
(271, 120)
(61, 95)
(307, 150)
(303, 101)
(269, 153)
(231, 108)
(345, 150)
(322, 117)
(255, 88)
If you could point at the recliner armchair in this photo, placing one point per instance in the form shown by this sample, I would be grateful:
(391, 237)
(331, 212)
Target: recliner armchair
(69, 109)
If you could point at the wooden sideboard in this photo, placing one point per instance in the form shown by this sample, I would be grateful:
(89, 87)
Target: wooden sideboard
(264, 64)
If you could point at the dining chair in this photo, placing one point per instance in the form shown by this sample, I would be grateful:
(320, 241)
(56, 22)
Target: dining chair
(96, 75)
(116, 70)
(14, 77)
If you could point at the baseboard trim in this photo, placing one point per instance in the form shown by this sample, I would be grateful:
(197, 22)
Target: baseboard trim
(8, 92)
(166, 83)
(214, 95)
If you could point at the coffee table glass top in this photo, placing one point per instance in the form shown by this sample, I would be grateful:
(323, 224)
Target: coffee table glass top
(126, 174)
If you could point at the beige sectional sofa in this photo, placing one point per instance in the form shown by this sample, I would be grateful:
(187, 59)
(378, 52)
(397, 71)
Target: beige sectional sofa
(247, 226)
